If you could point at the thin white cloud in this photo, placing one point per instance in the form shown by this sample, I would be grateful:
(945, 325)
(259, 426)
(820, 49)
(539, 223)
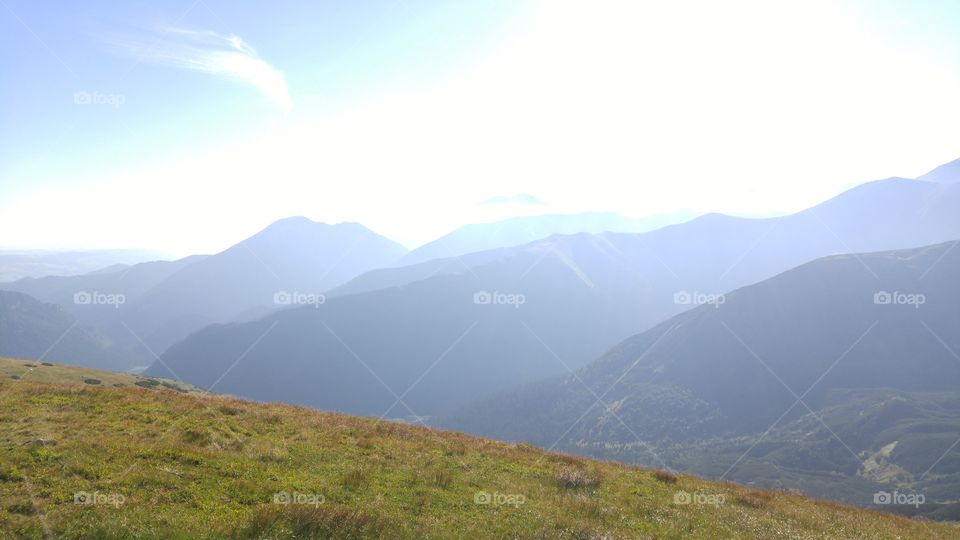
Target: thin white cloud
(215, 54)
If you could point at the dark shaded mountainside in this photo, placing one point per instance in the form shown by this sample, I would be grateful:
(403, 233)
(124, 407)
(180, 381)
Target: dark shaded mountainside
(426, 339)
(165, 301)
(41, 331)
(168, 463)
(838, 378)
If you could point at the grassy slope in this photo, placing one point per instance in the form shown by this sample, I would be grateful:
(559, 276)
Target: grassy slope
(192, 466)
(46, 372)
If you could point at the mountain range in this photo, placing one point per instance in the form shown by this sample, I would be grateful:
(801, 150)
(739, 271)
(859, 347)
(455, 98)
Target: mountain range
(17, 264)
(428, 338)
(162, 302)
(811, 351)
(525, 229)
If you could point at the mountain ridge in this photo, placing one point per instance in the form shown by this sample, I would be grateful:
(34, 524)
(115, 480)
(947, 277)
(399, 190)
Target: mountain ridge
(581, 294)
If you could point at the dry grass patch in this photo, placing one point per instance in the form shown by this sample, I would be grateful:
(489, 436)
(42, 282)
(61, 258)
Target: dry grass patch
(577, 478)
(754, 498)
(355, 479)
(665, 477)
(567, 459)
(321, 521)
(441, 479)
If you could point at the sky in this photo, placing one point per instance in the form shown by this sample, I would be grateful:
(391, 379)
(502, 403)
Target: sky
(186, 126)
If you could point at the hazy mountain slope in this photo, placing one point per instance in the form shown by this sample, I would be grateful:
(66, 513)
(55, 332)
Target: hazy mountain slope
(431, 329)
(582, 294)
(522, 230)
(32, 329)
(293, 255)
(798, 323)
(723, 253)
(383, 278)
(130, 281)
(174, 465)
(944, 174)
(17, 264)
(100, 299)
(737, 369)
(717, 252)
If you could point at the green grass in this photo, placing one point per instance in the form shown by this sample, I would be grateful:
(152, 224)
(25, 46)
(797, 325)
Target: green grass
(160, 463)
(46, 372)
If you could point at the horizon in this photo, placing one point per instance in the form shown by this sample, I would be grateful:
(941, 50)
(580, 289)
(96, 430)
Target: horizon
(511, 216)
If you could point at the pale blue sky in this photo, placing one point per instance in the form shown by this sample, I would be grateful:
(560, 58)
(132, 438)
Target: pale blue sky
(207, 120)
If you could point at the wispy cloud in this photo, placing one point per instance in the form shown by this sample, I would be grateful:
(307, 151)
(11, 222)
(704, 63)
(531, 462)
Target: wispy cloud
(209, 52)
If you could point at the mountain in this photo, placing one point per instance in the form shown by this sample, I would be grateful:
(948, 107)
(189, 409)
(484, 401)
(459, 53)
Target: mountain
(102, 461)
(162, 302)
(868, 341)
(291, 258)
(492, 320)
(130, 281)
(525, 229)
(80, 296)
(17, 264)
(944, 174)
(719, 252)
(859, 443)
(33, 329)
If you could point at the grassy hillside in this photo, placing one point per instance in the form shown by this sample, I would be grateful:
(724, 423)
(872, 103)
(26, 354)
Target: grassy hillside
(47, 372)
(104, 461)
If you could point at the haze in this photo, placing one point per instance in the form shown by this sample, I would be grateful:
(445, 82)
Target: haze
(209, 121)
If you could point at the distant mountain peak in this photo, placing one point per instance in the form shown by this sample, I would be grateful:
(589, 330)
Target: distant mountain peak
(294, 221)
(305, 223)
(302, 227)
